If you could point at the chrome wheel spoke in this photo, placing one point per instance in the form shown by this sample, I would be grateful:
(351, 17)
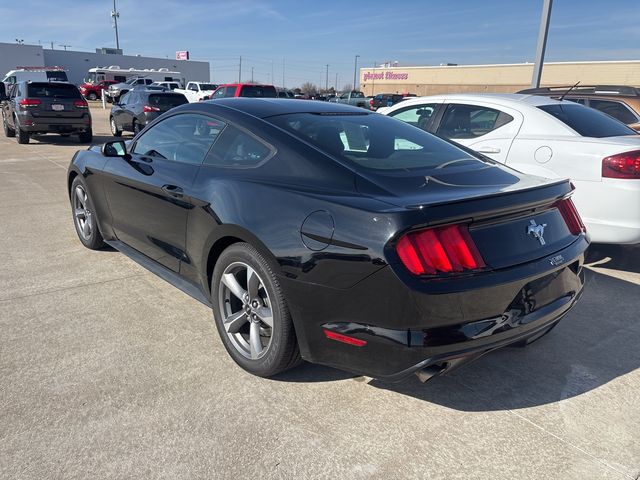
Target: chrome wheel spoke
(234, 322)
(265, 315)
(80, 213)
(254, 340)
(80, 196)
(232, 284)
(86, 228)
(253, 283)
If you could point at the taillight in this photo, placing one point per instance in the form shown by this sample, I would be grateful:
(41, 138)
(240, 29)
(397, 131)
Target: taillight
(349, 340)
(371, 102)
(147, 108)
(80, 103)
(30, 102)
(438, 250)
(622, 165)
(571, 216)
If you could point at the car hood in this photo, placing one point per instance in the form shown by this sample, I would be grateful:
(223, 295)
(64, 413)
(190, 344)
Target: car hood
(440, 186)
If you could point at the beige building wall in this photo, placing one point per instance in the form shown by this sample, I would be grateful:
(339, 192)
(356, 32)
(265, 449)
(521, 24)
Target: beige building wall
(506, 78)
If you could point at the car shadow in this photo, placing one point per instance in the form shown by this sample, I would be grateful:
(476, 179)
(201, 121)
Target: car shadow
(69, 140)
(311, 373)
(594, 344)
(615, 257)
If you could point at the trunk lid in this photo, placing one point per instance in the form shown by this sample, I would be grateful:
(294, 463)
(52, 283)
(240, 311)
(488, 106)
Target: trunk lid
(57, 101)
(512, 218)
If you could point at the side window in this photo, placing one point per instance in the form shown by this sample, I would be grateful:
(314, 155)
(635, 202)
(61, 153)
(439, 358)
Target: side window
(184, 138)
(230, 92)
(237, 149)
(193, 87)
(148, 81)
(125, 98)
(470, 121)
(13, 89)
(615, 109)
(416, 115)
(219, 93)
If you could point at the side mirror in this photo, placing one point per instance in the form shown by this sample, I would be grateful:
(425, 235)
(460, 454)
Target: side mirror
(116, 148)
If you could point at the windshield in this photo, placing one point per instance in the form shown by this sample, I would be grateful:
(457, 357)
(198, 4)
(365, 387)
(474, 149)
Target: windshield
(259, 91)
(588, 122)
(373, 141)
(52, 90)
(167, 101)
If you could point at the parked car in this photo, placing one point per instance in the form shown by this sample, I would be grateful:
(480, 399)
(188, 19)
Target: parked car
(116, 90)
(93, 91)
(35, 74)
(197, 91)
(244, 90)
(137, 108)
(550, 138)
(285, 93)
(45, 107)
(167, 85)
(355, 98)
(385, 100)
(621, 102)
(336, 235)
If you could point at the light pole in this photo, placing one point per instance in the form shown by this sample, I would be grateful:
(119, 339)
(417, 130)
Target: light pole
(355, 70)
(326, 83)
(542, 43)
(240, 70)
(336, 82)
(115, 14)
(251, 74)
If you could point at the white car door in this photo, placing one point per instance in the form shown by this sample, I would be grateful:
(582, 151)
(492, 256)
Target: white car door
(482, 126)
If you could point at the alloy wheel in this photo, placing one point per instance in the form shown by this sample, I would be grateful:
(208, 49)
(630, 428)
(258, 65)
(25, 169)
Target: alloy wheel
(246, 310)
(82, 213)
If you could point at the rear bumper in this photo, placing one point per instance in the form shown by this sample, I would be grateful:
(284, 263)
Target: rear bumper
(54, 125)
(610, 209)
(407, 328)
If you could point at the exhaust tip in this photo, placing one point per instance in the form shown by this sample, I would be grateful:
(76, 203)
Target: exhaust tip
(427, 373)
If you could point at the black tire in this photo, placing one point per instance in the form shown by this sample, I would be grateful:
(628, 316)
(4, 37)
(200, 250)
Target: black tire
(137, 128)
(114, 128)
(282, 352)
(92, 96)
(21, 135)
(86, 136)
(8, 131)
(94, 240)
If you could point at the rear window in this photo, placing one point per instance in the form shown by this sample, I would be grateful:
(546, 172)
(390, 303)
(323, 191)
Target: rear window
(52, 90)
(258, 91)
(587, 121)
(373, 141)
(208, 86)
(167, 101)
(59, 76)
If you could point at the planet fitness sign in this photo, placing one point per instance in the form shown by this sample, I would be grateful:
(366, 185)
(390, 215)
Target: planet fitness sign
(388, 75)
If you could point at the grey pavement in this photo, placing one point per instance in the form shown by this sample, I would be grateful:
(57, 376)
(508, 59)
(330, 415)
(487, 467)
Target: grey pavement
(106, 371)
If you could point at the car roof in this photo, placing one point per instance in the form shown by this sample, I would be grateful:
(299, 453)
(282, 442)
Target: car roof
(505, 99)
(267, 107)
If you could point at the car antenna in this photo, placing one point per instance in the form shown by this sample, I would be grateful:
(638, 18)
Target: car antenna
(565, 93)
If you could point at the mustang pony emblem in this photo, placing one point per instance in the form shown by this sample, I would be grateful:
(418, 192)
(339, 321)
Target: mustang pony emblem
(537, 231)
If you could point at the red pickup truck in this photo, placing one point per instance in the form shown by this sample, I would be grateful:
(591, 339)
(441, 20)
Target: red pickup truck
(93, 91)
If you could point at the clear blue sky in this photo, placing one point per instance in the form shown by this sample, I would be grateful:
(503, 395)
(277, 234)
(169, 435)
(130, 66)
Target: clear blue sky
(309, 35)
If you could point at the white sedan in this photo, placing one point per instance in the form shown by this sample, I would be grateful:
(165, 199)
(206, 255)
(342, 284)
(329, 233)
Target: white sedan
(549, 138)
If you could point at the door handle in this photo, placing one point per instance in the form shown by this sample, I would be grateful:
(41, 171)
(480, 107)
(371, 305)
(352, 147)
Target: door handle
(488, 150)
(173, 191)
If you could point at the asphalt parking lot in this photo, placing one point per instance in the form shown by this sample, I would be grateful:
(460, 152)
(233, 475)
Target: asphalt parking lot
(106, 371)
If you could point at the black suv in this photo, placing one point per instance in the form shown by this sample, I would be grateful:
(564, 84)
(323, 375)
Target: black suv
(137, 108)
(45, 107)
(385, 100)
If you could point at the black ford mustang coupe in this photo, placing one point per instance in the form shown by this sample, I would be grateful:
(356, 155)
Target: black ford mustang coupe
(324, 232)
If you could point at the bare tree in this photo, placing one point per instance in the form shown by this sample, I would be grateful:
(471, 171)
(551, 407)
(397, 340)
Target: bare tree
(308, 88)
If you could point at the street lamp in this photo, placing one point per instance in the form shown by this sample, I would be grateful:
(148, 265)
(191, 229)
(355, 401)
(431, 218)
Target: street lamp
(355, 70)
